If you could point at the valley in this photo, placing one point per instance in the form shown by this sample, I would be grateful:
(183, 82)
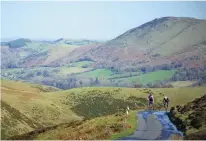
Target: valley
(140, 57)
(79, 89)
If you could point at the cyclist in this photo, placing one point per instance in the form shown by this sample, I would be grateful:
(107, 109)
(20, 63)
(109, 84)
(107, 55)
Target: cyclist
(166, 102)
(150, 101)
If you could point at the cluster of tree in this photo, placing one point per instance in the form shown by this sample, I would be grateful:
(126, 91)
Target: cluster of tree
(185, 74)
(172, 65)
(62, 84)
(7, 62)
(144, 69)
(159, 84)
(71, 82)
(84, 59)
(94, 82)
(43, 73)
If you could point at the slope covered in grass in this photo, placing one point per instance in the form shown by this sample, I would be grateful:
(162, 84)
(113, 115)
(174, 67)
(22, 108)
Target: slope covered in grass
(191, 118)
(105, 127)
(155, 76)
(24, 108)
(29, 106)
(69, 70)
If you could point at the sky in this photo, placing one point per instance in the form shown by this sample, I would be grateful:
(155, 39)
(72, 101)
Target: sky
(86, 20)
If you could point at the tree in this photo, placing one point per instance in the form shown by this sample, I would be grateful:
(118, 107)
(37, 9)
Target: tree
(138, 86)
(30, 74)
(45, 73)
(81, 83)
(38, 73)
(96, 81)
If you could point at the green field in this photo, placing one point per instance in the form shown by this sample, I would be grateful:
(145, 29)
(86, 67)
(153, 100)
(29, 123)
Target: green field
(151, 77)
(125, 74)
(100, 73)
(70, 70)
(82, 63)
(155, 76)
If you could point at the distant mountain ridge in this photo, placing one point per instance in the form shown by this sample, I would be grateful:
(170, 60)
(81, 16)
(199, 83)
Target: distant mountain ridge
(157, 42)
(173, 45)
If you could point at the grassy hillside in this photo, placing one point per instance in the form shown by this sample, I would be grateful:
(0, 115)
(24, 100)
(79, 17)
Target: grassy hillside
(58, 52)
(106, 127)
(24, 108)
(156, 42)
(28, 106)
(190, 118)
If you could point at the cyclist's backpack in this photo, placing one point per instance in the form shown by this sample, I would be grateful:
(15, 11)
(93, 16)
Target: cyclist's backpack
(150, 98)
(166, 99)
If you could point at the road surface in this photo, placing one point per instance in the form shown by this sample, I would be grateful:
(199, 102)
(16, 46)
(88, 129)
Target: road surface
(154, 125)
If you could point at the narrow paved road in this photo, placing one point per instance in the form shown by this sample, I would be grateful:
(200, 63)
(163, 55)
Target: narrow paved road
(154, 125)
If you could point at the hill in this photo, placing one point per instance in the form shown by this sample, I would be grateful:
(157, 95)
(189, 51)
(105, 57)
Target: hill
(28, 53)
(190, 118)
(160, 41)
(16, 43)
(26, 107)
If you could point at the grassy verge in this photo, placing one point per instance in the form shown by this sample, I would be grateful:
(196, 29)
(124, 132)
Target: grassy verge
(131, 122)
(190, 118)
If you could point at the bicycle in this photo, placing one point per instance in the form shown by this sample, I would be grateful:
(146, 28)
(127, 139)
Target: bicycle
(150, 106)
(166, 104)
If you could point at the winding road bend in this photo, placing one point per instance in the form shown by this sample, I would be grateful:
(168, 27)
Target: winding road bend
(154, 125)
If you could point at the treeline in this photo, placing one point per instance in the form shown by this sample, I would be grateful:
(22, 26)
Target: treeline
(186, 74)
(71, 82)
(144, 69)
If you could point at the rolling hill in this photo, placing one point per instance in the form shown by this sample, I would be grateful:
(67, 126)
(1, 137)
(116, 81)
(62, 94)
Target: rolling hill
(155, 54)
(157, 42)
(27, 107)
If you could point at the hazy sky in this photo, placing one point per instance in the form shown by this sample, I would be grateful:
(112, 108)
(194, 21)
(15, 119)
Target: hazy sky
(91, 20)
